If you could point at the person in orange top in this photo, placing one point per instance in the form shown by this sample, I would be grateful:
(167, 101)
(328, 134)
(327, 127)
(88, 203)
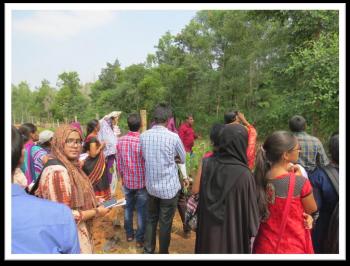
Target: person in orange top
(236, 117)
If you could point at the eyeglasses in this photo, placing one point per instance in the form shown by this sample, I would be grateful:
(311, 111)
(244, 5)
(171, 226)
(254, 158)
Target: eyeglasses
(297, 149)
(71, 142)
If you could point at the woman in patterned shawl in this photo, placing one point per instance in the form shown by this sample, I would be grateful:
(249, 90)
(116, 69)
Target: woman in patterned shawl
(62, 180)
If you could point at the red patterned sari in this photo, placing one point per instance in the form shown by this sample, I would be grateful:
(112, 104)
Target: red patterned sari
(95, 169)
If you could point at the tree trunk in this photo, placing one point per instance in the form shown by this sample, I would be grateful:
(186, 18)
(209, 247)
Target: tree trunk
(251, 71)
(217, 107)
(316, 120)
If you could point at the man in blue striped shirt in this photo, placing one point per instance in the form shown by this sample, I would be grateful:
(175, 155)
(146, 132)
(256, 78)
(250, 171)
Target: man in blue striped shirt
(159, 148)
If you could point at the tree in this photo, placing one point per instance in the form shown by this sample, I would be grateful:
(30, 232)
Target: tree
(22, 102)
(69, 101)
(44, 97)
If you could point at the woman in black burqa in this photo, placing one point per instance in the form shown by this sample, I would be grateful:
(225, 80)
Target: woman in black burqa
(228, 213)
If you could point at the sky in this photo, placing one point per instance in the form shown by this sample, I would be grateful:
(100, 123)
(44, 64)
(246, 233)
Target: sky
(45, 43)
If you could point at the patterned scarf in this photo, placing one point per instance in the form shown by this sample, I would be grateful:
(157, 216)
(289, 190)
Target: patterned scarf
(83, 196)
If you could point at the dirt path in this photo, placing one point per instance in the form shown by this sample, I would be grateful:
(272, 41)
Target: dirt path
(110, 239)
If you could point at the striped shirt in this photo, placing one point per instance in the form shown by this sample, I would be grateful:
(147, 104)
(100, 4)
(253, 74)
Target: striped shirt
(310, 147)
(130, 162)
(159, 148)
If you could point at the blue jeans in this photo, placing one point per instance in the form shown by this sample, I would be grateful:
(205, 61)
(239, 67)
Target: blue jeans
(135, 198)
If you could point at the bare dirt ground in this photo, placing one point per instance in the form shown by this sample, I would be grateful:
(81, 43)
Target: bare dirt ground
(111, 239)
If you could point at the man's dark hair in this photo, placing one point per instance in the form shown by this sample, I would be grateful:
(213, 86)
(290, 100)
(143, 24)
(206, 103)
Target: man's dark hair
(134, 122)
(230, 117)
(297, 123)
(334, 147)
(161, 113)
(188, 116)
(17, 145)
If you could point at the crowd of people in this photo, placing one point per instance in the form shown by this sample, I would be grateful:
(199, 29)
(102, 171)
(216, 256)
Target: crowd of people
(280, 197)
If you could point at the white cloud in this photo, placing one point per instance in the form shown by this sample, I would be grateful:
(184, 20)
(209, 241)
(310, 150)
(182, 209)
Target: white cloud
(62, 25)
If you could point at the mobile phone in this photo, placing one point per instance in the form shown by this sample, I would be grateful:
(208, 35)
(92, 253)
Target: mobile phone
(113, 202)
(110, 203)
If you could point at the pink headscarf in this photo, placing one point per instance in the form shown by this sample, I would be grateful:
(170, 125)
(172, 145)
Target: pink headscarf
(77, 126)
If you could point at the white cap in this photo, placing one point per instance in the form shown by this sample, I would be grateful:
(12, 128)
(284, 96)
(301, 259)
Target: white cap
(45, 136)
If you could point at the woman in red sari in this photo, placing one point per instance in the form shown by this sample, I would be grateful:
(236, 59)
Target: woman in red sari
(95, 164)
(285, 198)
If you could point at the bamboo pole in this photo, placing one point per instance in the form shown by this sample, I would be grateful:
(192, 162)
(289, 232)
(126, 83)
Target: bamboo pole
(143, 115)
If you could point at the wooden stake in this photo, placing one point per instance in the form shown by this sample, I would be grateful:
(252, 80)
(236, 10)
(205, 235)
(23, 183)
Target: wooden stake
(143, 114)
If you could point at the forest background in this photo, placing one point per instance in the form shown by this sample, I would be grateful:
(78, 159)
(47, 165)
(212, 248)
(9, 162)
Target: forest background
(270, 65)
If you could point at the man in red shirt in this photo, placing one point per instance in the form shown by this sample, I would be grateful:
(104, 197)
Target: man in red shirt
(187, 134)
(131, 167)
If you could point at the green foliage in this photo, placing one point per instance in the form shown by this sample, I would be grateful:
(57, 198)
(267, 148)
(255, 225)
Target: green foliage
(22, 102)
(270, 65)
(69, 101)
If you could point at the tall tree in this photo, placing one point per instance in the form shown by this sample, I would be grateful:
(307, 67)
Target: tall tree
(69, 101)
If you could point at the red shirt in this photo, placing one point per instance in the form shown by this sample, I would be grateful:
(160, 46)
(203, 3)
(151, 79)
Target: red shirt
(130, 162)
(187, 135)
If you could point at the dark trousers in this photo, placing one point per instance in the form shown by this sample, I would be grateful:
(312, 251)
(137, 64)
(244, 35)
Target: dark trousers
(181, 206)
(162, 210)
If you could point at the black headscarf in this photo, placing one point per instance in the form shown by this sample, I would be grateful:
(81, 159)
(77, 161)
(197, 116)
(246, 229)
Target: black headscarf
(220, 173)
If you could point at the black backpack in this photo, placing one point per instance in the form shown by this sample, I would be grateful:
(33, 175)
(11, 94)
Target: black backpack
(36, 184)
(331, 240)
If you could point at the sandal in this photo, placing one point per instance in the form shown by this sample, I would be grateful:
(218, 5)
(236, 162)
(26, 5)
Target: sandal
(139, 244)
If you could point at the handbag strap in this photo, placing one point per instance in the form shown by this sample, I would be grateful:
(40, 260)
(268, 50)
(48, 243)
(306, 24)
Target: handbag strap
(286, 209)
